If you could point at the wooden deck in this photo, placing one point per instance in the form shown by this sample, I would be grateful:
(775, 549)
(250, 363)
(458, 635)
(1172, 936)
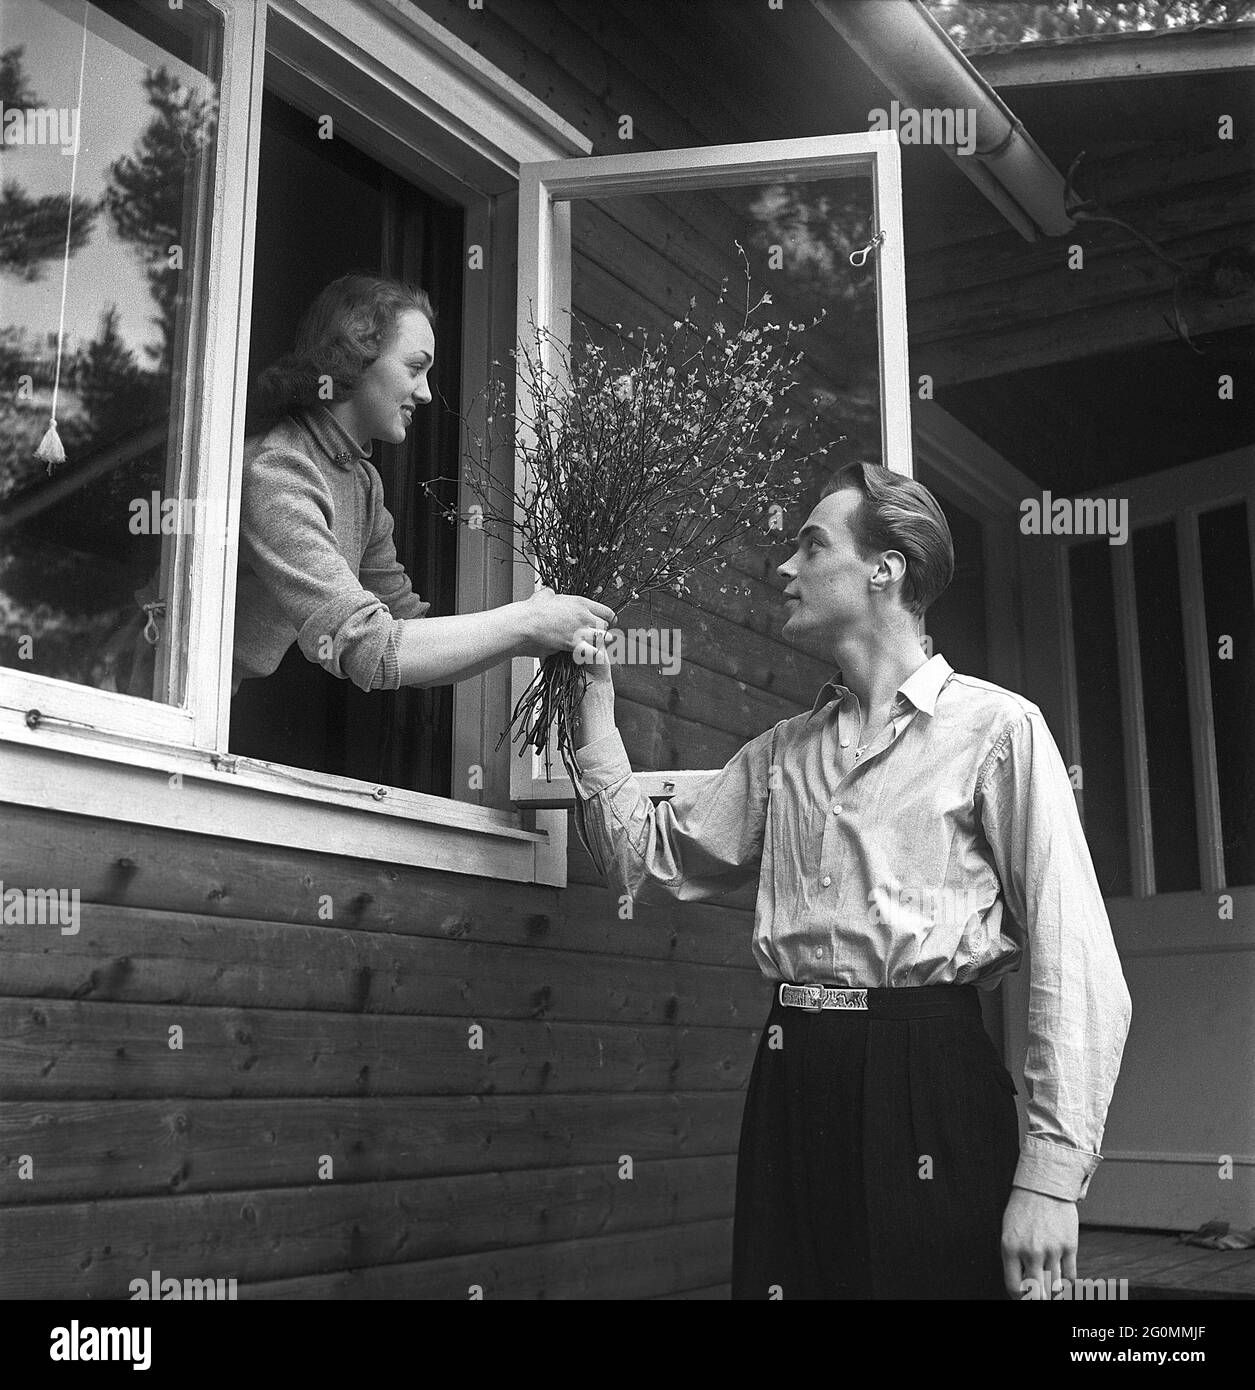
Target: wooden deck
(1158, 1265)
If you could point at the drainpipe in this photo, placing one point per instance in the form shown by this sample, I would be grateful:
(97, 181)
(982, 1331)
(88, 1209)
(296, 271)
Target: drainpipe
(910, 52)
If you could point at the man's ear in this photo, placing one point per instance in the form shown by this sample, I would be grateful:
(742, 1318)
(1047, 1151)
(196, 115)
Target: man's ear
(890, 568)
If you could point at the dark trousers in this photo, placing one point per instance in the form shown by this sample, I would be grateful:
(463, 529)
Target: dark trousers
(877, 1152)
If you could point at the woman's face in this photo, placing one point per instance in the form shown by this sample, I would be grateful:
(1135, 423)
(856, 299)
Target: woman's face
(395, 383)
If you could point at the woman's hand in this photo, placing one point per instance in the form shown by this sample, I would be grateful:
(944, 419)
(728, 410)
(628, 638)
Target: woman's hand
(555, 622)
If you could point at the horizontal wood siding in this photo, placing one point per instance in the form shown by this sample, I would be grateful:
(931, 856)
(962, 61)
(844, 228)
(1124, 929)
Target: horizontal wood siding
(325, 1130)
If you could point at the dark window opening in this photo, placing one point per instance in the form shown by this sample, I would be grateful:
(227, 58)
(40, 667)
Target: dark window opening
(325, 209)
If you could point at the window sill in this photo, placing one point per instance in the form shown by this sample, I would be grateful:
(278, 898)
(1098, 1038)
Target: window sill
(204, 793)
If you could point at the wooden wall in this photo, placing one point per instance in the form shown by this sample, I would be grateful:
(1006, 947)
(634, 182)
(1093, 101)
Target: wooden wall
(350, 1038)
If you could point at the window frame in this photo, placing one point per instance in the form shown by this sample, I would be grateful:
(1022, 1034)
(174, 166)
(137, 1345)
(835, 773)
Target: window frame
(544, 293)
(405, 82)
(1181, 495)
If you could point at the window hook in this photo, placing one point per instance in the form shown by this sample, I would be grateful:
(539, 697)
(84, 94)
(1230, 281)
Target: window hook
(860, 256)
(152, 633)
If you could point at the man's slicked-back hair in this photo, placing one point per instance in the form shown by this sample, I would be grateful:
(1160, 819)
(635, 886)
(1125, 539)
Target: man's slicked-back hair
(897, 513)
(339, 336)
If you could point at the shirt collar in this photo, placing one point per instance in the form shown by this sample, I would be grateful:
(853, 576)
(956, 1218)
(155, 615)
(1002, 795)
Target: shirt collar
(331, 436)
(921, 687)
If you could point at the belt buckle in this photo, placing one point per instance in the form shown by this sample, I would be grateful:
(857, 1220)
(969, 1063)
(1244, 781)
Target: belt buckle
(814, 998)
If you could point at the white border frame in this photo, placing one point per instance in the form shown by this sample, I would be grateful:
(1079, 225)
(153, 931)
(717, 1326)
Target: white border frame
(544, 292)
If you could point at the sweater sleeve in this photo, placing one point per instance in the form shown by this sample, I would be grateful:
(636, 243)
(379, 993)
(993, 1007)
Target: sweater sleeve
(286, 515)
(381, 572)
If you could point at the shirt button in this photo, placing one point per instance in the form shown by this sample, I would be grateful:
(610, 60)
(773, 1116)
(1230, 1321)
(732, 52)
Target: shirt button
(845, 743)
(826, 880)
(819, 950)
(836, 810)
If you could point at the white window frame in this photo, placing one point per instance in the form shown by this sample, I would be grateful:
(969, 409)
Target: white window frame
(414, 95)
(544, 294)
(1181, 495)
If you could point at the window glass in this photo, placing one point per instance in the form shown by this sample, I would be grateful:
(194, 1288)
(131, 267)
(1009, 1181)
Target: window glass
(1165, 700)
(86, 543)
(699, 673)
(1225, 541)
(1103, 793)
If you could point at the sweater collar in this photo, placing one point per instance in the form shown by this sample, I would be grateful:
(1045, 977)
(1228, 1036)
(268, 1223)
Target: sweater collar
(331, 436)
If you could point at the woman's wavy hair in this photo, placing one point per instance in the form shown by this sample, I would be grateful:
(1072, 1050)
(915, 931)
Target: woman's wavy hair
(898, 513)
(340, 335)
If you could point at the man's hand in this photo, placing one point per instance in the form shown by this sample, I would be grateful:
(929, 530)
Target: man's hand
(1039, 1237)
(590, 651)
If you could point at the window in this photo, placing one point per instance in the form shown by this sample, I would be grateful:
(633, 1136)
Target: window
(366, 218)
(1159, 670)
(451, 129)
(96, 555)
(621, 243)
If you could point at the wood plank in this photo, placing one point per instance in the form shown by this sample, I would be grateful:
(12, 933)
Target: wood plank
(59, 1050)
(657, 68)
(1113, 272)
(96, 1248)
(133, 1148)
(137, 955)
(657, 741)
(1235, 1276)
(116, 862)
(488, 33)
(642, 1264)
(1105, 329)
(762, 661)
(1099, 1243)
(1210, 199)
(582, 872)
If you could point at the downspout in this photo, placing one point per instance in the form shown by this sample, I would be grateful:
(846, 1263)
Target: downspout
(909, 51)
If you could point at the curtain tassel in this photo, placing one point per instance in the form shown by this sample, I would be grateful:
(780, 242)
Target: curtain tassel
(51, 450)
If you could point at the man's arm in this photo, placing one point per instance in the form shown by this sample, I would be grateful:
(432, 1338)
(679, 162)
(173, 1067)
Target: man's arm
(1079, 1006)
(699, 845)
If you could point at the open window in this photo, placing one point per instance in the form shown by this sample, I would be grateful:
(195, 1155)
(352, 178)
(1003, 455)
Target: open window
(613, 245)
(111, 563)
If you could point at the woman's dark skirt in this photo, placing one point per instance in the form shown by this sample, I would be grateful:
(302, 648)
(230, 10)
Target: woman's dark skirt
(877, 1152)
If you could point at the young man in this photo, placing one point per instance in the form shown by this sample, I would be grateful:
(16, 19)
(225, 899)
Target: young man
(911, 836)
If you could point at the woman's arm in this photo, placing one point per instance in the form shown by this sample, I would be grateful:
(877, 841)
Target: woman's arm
(440, 651)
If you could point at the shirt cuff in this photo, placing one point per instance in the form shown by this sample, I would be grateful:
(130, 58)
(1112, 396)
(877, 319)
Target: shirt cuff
(603, 764)
(1055, 1169)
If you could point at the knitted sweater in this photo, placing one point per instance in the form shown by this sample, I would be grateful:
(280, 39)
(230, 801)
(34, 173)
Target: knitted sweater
(317, 563)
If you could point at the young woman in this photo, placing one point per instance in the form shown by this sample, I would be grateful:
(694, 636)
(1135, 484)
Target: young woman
(317, 563)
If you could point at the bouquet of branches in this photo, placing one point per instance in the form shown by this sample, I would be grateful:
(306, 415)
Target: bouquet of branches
(643, 463)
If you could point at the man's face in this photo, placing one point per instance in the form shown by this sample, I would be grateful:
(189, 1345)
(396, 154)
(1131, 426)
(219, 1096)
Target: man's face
(395, 383)
(826, 580)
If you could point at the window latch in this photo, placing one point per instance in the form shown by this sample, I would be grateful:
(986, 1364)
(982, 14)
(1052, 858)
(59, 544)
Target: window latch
(860, 256)
(152, 633)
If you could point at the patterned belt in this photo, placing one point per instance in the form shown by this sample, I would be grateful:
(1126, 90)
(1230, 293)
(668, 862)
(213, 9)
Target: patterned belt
(816, 997)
